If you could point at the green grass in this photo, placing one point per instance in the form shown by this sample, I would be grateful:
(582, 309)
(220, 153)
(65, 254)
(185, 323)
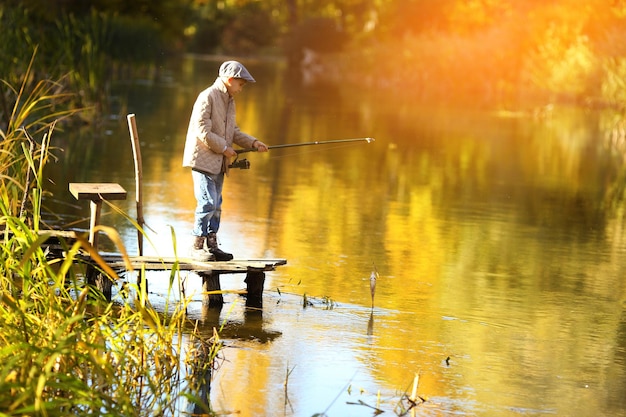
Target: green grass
(64, 349)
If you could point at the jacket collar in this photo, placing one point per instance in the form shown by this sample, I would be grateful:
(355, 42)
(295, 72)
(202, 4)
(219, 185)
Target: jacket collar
(219, 84)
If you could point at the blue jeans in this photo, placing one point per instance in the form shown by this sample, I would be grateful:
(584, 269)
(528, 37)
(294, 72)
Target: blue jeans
(207, 189)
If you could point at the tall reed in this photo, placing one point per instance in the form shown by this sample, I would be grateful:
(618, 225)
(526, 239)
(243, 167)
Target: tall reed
(64, 350)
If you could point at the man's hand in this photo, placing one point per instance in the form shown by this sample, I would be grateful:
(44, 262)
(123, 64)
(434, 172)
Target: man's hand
(259, 146)
(229, 152)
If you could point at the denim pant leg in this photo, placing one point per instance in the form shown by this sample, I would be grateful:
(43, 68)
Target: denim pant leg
(208, 192)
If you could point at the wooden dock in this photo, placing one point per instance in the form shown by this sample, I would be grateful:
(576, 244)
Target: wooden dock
(209, 272)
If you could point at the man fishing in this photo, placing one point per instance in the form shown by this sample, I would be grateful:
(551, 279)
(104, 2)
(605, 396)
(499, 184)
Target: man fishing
(208, 150)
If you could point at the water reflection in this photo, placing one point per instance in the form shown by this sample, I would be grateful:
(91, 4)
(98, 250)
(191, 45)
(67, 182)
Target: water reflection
(200, 360)
(499, 242)
(249, 327)
(370, 324)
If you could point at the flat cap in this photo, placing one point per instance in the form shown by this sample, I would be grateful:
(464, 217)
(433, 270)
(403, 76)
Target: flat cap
(235, 69)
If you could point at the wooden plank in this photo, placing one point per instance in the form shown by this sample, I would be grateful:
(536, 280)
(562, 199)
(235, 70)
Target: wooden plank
(51, 233)
(97, 191)
(153, 263)
(65, 234)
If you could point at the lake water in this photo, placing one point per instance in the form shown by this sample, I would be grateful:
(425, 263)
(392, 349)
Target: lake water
(499, 239)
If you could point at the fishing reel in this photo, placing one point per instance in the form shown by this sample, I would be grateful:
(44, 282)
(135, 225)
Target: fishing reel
(240, 163)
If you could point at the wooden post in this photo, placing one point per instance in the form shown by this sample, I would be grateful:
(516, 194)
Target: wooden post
(134, 138)
(95, 207)
(254, 283)
(211, 282)
(99, 280)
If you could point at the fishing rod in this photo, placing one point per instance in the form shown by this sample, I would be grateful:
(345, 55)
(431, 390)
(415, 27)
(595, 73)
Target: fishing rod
(245, 164)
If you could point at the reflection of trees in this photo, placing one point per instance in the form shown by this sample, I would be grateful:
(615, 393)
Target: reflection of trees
(503, 218)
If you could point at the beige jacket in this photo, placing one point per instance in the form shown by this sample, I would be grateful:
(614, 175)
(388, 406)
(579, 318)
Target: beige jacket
(212, 128)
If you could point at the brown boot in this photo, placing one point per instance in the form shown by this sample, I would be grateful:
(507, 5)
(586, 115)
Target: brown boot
(219, 254)
(198, 250)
